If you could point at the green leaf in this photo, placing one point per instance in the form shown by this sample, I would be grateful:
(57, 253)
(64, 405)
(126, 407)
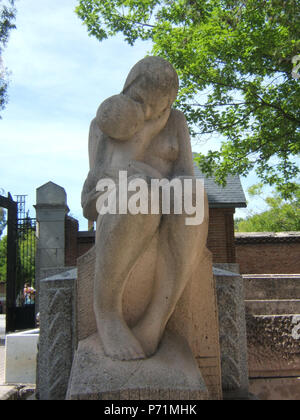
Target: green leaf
(234, 60)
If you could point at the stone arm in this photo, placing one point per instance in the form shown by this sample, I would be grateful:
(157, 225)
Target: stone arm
(89, 198)
(89, 194)
(183, 166)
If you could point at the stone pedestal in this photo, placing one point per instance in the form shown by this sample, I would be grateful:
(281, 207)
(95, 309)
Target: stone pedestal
(20, 357)
(233, 337)
(195, 321)
(51, 209)
(57, 335)
(171, 374)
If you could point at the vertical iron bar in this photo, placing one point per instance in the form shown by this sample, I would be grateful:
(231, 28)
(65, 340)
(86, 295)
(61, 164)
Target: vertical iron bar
(11, 264)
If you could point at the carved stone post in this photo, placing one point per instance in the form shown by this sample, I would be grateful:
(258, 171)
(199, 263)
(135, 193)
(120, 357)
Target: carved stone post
(51, 209)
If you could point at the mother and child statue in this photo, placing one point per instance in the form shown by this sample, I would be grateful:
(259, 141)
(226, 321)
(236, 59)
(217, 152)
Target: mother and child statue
(139, 134)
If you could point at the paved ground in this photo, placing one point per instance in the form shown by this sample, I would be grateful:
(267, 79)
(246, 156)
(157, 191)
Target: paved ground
(2, 348)
(10, 392)
(2, 326)
(2, 351)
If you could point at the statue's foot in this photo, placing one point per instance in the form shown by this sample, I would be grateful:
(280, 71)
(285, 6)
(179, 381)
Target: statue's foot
(118, 341)
(148, 335)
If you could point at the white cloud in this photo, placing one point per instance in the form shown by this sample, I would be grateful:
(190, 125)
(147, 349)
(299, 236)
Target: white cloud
(59, 77)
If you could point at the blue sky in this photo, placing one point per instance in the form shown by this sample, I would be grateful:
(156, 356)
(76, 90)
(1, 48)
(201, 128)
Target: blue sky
(59, 77)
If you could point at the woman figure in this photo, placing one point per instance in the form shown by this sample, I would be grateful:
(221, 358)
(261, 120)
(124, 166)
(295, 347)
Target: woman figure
(138, 132)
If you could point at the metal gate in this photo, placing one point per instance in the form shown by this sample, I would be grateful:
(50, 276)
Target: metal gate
(25, 276)
(20, 275)
(11, 258)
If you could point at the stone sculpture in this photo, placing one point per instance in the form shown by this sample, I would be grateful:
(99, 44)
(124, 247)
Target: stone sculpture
(138, 132)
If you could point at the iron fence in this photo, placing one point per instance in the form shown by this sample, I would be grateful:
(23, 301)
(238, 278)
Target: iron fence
(26, 248)
(20, 263)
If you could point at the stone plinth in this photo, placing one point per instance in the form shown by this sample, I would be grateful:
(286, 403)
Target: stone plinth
(195, 318)
(273, 325)
(273, 345)
(20, 357)
(171, 374)
(57, 335)
(276, 389)
(51, 209)
(233, 337)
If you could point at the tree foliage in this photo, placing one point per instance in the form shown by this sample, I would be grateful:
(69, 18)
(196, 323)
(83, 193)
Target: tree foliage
(281, 216)
(7, 18)
(3, 245)
(235, 59)
(25, 257)
(2, 220)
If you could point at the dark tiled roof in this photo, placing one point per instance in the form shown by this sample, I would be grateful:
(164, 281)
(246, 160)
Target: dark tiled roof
(232, 195)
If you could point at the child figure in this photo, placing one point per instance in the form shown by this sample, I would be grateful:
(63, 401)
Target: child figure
(125, 125)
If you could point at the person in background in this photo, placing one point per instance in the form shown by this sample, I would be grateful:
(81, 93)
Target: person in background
(29, 294)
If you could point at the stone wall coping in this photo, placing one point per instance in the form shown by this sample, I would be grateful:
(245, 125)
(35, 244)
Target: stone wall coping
(284, 316)
(270, 276)
(224, 273)
(69, 274)
(266, 237)
(86, 234)
(42, 206)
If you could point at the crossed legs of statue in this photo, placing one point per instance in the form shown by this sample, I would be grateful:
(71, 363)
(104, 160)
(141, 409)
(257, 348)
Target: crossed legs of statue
(122, 239)
(177, 256)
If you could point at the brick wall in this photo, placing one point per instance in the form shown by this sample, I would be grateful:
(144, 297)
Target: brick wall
(76, 243)
(268, 253)
(221, 235)
(85, 241)
(71, 245)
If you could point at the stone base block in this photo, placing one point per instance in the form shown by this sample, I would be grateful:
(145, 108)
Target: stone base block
(276, 389)
(273, 307)
(20, 357)
(195, 317)
(273, 345)
(171, 374)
